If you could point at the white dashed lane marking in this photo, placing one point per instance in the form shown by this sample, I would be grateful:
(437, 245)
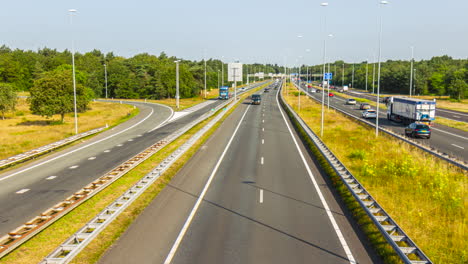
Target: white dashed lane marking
(130, 139)
(119, 145)
(261, 195)
(51, 177)
(91, 158)
(22, 191)
(261, 161)
(107, 150)
(74, 167)
(457, 146)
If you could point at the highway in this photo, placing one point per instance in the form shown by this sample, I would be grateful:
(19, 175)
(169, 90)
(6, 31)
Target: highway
(445, 139)
(31, 189)
(251, 194)
(445, 113)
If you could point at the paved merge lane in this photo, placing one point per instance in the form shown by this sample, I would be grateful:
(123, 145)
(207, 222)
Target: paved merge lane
(445, 139)
(260, 207)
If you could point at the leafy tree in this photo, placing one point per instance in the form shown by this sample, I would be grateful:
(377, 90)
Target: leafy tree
(8, 99)
(53, 93)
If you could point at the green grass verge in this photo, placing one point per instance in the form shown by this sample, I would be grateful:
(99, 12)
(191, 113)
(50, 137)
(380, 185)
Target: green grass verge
(37, 248)
(426, 196)
(451, 123)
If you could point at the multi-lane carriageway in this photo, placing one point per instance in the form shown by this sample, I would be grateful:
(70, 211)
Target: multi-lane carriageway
(251, 194)
(445, 139)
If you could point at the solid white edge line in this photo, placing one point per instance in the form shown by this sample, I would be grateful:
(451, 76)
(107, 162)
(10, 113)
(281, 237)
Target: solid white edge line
(317, 188)
(165, 121)
(78, 149)
(261, 195)
(201, 197)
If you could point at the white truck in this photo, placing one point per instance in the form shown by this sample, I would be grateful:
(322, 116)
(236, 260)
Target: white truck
(343, 89)
(411, 110)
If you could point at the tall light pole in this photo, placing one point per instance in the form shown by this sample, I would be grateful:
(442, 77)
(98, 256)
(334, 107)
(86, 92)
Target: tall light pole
(105, 77)
(222, 71)
(177, 84)
(373, 75)
(218, 80)
(352, 78)
(342, 80)
(204, 59)
(378, 74)
(73, 12)
(324, 56)
(411, 71)
(367, 71)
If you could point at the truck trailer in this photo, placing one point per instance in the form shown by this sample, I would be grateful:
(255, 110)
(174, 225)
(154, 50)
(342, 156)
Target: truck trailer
(411, 110)
(224, 92)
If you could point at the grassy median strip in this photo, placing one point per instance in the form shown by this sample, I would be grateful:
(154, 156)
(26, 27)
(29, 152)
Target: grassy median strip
(37, 248)
(426, 196)
(452, 123)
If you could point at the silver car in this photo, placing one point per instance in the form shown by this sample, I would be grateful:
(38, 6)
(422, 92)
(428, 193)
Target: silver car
(351, 101)
(369, 113)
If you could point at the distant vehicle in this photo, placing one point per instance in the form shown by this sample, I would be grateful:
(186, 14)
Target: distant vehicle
(351, 101)
(266, 90)
(364, 106)
(242, 89)
(331, 94)
(418, 130)
(318, 91)
(256, 99)
(313, 90)
(343, 89)
(411, 110)
(370, 113)
(224, 92)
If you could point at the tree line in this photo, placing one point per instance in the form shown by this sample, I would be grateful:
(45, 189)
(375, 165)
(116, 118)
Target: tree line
(46, 74)
(438, 76)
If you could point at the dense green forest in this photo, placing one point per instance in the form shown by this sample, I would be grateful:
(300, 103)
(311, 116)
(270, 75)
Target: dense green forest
(141, 76)
(153, 77)
(437, 76)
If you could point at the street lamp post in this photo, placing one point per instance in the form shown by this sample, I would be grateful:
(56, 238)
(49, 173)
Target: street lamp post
(105, 77)
(222, 71)
(367, 71)
(342, 80)
(204, 59)
(378, 74)
(324, 56)
(177, 84)
(73, 12)
(352, 78)
(411, 71)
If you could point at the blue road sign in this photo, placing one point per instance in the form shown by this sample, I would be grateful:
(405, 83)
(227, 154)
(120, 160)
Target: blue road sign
(328, 76)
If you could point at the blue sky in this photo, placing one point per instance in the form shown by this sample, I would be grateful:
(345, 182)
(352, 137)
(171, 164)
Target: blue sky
(249, 31)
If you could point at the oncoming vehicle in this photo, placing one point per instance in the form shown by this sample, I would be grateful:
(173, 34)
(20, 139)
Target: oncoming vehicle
(256, 99)
(370, 113)
(364, 106)
(224, 93)
(351, 101)
(266, 90)
(418, 130)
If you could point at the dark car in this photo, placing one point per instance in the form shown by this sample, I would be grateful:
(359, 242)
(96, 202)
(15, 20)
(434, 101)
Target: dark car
(364, 106)
(266, 90)
(256, 99)
(418, 130)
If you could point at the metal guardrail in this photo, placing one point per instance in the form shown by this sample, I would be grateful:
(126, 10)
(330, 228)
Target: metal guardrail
(26, 231)
(77, 242)
(44, 149)
(406, 249)
(432, 151)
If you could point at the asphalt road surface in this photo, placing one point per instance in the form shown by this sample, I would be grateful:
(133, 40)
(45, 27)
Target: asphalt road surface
(449, 114)
(29, 190)
(251, 194)
(445, 139)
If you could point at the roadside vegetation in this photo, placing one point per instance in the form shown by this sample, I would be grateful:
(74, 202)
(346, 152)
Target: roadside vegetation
(426, 196)
(38, 247)
(22, 131)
